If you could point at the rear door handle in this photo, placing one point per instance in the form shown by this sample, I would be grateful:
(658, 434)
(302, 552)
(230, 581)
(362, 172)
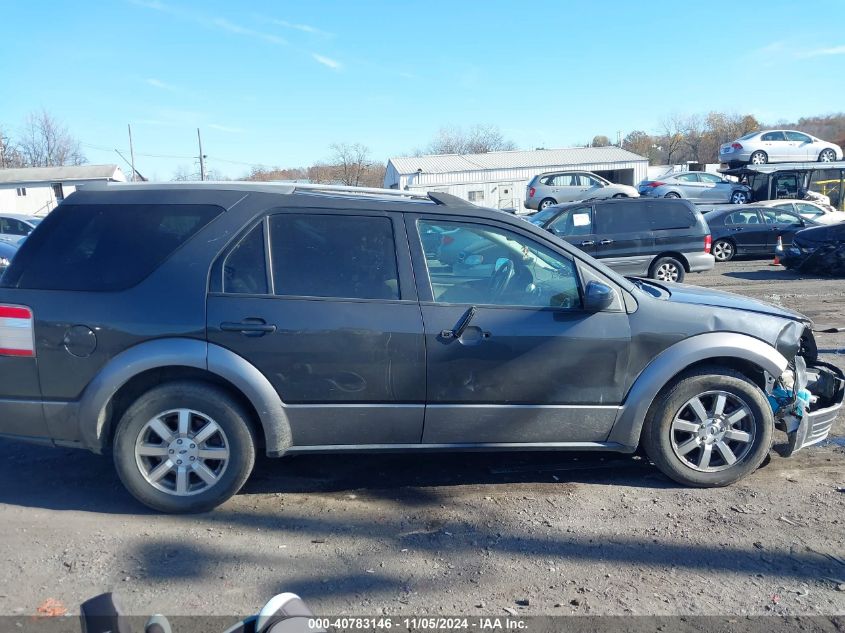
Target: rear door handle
(606, 242)
(248, 327)
(588, 243)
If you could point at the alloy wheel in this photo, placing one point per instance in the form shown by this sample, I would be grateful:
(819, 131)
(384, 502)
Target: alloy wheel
(723, 251)
(667, 272)
(182, 452)
(713, 431)
(758, 158)
(739, 197)
(827, 156)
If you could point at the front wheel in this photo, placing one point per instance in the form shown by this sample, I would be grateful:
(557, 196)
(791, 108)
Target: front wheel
(618, 196)
(739, 197)
(827, 156)
(711, 427)
(672, 194)
(667, 269)
(723, 250)
(184, 447)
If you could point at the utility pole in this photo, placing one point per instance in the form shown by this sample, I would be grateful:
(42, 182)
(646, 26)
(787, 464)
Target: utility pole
(202, 158)
(131, 151)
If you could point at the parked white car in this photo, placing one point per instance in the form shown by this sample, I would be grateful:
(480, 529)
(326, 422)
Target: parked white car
(821, 213)
(15, 228)
(778, 146)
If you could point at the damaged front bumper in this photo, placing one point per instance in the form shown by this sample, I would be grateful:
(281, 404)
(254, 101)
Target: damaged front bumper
(807, 408)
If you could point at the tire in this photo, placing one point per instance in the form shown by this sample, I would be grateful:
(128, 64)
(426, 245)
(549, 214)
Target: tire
(724, 250)
(619, 195)
(679, 451)
(827, 156)
(739, 197)
(758, 158)
(667, 269)
(545, 203)
(672, 194)
(144, 457)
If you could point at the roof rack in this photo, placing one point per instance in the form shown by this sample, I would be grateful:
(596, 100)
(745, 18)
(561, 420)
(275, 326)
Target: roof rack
(367, 191)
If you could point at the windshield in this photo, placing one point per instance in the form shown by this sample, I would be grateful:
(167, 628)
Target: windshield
(542, 217)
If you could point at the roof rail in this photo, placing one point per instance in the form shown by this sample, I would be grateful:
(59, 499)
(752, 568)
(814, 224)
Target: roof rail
(368, 191)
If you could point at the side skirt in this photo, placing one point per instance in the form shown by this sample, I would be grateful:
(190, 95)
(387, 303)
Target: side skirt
(463, 447)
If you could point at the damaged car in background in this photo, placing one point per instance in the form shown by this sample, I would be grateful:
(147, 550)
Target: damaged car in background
(819, 250)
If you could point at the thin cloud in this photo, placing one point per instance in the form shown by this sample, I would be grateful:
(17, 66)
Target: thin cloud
(157, 83)
(327, 61)
(242, 30)
(304, 28)
(823, 52)
(225, 128)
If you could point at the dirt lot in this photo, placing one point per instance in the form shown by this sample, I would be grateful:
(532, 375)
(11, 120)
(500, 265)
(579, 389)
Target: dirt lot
(453, 534)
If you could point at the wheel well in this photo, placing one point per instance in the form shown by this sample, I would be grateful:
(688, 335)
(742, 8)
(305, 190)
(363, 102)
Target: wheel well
(745, 367)
(673, 255)
(131, 390)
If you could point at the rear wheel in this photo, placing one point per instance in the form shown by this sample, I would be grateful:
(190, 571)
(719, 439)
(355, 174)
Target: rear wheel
(545, 203)
(620, 195)
(723, 250)
(667, 269)
(739, 197)
(827, 156)
(711, 427)
(184, 447)
(672, 194)
(759, 158)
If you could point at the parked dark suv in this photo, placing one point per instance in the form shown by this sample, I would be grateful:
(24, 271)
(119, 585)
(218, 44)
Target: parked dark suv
(663, 239)
(185, 327)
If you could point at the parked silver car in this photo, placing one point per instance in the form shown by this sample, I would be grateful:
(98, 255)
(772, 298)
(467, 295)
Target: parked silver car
(696, 186)
(14, 228)
(778, 146)
(821, 213)
(550, 188)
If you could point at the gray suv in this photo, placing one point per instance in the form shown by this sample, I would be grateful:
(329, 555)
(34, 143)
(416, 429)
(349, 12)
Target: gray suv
(551, 188)
(183, 328)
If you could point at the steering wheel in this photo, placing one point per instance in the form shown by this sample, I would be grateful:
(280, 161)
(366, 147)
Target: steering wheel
(501, 279)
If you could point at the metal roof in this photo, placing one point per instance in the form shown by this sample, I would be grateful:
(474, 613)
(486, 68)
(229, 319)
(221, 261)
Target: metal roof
(539, 158)
(58, 174)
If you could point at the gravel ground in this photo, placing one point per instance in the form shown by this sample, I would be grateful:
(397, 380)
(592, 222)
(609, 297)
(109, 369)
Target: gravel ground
(540, 533)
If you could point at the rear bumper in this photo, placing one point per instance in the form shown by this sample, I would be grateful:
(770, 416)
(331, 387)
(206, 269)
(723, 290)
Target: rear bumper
(700, 262)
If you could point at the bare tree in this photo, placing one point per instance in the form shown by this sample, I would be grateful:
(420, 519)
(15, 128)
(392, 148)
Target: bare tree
(184, 174)
(264, 174)
(479, 139)
(45, 142)
(350, 161)
(10, 155)
(672, 137)
(693, 129)
(600, 140)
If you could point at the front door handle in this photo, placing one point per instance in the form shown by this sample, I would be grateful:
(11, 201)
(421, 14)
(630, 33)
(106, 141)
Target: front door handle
(248, 327)
(588, 243)
(461, 326)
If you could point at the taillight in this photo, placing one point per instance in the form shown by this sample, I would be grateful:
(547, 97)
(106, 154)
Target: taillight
(656, 183)
(531, 191)
(708, 243)
(446, 240)
(16, 331)
(736, 145)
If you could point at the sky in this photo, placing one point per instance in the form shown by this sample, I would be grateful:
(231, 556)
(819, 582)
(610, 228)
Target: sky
(277, 83)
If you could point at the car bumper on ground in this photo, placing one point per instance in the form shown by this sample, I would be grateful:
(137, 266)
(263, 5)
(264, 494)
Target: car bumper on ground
(700, 262)
(827, 385)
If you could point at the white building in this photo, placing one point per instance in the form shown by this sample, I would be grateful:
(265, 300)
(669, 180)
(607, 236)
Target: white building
(37, 190)
(499, 179)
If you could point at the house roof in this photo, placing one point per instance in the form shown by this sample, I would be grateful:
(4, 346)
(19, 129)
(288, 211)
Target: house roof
(444, 163)
(58, 174)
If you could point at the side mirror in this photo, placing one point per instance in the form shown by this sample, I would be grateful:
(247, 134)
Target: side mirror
(597, 297)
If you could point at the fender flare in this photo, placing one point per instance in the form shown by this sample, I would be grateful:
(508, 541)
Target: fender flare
(182, 352)
(675, 359)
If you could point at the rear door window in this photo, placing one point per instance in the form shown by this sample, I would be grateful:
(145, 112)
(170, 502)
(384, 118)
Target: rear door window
(104, 247)
(339, 256)
(577, 221)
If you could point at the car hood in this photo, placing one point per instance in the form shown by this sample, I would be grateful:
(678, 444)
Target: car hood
(695, 295)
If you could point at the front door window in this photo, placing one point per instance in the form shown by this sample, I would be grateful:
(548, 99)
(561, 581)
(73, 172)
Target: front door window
(498, 267)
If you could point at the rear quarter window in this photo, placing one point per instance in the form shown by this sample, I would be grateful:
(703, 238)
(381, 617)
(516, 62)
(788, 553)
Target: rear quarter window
(104, 247)
(671, 216)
